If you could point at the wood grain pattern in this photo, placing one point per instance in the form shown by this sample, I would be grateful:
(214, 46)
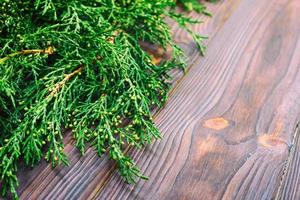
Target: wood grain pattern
(250, 78)
(86, 174)
(227, 127)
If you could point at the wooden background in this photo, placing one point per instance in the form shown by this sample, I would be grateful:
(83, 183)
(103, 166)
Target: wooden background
(230, 125)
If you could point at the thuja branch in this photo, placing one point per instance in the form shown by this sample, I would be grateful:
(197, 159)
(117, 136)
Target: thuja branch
(49, 51)
(109, 105)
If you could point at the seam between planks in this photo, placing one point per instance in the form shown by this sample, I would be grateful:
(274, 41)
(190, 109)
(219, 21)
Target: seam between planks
(288, 163)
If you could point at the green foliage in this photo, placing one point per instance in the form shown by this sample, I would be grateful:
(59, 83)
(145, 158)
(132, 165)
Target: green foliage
(78, 64)
(190, 5)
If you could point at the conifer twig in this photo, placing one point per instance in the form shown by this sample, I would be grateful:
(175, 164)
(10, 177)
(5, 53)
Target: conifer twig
(49, 51)
(60, 84)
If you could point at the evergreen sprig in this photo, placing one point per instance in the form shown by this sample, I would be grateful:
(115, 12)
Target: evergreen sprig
(79, 64)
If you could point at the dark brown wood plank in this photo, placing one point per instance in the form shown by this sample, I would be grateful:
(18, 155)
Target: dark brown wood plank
(290, 187)
(229, 125)
(86, 174)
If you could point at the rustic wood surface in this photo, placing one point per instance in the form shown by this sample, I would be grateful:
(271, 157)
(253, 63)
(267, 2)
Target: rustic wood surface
(228, 127)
